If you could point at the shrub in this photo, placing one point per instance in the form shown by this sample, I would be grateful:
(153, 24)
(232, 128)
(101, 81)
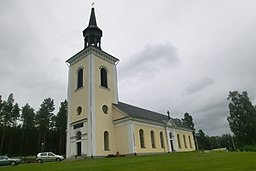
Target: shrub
(249, 148)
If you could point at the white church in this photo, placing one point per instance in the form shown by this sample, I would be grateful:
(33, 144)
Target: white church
(99, 124)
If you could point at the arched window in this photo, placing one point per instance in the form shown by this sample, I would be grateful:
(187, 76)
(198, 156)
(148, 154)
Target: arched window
(103, 78)
(142, 143)
(185, 142)
(80, 78)
(189, 139)
(178, 137)
(78, 135)
(106, 141)
(170, 135)
(152, 135)
(162, 139)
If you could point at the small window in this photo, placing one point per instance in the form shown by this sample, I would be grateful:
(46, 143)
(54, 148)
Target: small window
(162, 139)
(80, 78)
(79, 125)
(106, 141)
(178, 137)
(79, 110)
(170, 135)
(152, 135)
(185, 141)
(103, 78)
(142, 143)
(78, 135)
(105, 109)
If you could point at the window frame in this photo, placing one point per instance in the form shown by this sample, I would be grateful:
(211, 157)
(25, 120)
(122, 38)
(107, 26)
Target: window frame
(161, 139)
(190, 143)
(103, 77)
(80, 78)
(78, 135)
(142, 140)
(152, 137)
(106, 141)
(178, 138)
(185, 141)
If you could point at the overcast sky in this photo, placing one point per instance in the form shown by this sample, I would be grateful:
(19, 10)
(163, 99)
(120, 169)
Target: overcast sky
(177, 55)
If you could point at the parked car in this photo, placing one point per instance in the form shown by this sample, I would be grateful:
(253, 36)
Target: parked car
(48, 156)
(4, 160)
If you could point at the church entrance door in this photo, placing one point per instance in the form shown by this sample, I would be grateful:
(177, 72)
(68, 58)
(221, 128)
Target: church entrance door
(171, 145)
(79, 149)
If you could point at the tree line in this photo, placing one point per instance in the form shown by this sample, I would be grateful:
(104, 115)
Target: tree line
(205, 142)
(242, 122)
(24, 131)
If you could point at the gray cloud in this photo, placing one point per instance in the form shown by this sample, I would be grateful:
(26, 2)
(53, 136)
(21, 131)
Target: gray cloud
(210, 54)
(199, 85)
(150, 60)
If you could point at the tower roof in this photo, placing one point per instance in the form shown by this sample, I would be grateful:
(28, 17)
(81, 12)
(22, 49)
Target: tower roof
(92, 21)
(92, 34)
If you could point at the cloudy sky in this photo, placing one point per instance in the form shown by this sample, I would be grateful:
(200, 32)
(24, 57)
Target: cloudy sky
(177, 55)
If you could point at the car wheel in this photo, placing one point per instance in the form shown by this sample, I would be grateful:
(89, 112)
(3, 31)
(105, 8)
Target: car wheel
(39, 161)
(13, 163)
(58, 159)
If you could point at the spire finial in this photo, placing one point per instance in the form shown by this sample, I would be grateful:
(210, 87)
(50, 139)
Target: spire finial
(93, 4)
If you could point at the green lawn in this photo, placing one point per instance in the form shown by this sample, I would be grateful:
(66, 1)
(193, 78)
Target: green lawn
(219, 161)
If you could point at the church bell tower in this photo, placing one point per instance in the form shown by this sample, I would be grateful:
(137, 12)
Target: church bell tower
(92, 34)
(92, 89)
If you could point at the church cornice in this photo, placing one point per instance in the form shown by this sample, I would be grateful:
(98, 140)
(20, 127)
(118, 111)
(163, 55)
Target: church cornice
(92, 50)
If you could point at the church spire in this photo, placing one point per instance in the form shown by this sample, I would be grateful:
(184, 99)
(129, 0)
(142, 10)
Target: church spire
(92, 34)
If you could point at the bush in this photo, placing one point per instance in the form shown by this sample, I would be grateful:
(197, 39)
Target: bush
(249, 148)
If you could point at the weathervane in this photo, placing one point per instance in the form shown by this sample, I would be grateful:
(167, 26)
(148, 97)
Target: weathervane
(93, 4)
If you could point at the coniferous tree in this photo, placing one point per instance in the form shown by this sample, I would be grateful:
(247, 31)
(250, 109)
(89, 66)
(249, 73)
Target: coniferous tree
(28, 129)
(6, 115)
(43, 121)
(188, 120)
(242, 118)
(61, 126)
(203, 140)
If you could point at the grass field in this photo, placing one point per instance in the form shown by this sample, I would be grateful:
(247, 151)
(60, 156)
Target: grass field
(218, 161)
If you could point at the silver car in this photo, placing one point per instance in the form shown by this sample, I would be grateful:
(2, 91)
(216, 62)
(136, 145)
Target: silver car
(4, 160)
(48, 156)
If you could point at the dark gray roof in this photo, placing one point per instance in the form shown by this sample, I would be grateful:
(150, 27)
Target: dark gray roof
(140, 113)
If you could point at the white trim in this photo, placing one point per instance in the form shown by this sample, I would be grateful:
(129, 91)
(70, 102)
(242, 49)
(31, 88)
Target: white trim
(68, 145)
(174, 139)
(130, 137)
(115, 85)
(93, 106)
(91, 109)
(91, 50)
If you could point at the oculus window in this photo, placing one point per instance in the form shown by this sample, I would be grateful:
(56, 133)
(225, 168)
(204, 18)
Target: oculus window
(79, 110)
(105, 109)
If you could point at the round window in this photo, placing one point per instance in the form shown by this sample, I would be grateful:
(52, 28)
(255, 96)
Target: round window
(79, 110)
(105, 109)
